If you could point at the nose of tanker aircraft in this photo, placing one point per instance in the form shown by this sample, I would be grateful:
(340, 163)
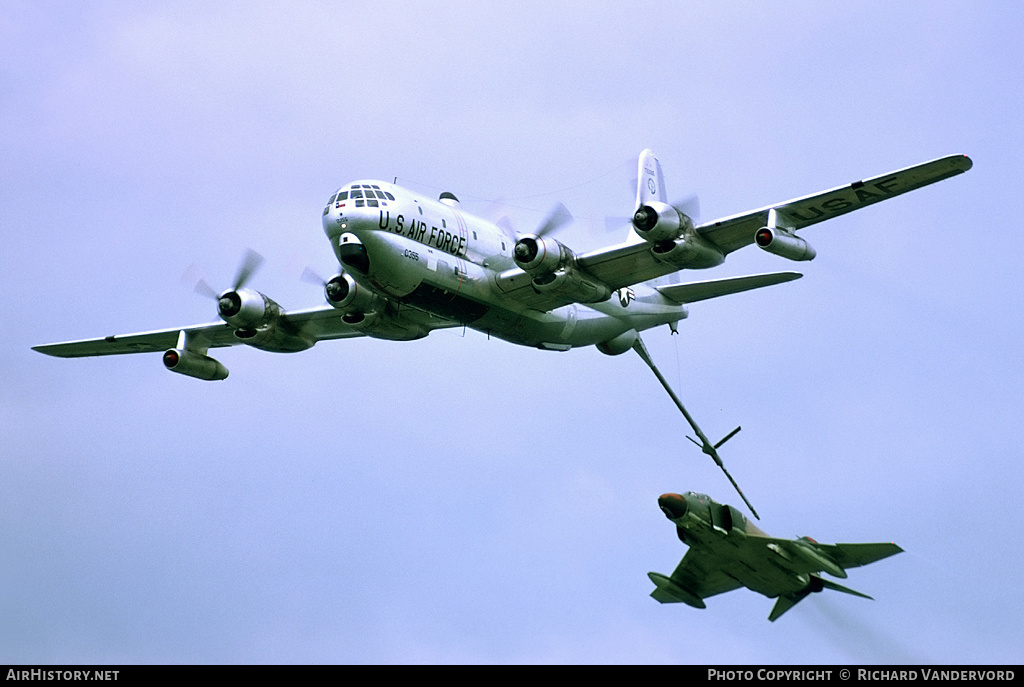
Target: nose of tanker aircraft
(352, 253)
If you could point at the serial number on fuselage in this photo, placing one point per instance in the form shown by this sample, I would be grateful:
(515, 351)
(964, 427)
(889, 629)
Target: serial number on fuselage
(421, 232)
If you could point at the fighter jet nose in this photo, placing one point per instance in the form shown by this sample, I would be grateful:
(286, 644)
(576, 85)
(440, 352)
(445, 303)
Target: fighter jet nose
(672, 505)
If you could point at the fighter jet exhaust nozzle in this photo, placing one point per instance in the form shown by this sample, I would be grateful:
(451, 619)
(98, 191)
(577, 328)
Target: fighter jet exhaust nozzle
(783, 244)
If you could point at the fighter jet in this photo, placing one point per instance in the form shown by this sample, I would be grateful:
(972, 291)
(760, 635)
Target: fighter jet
(728, 552)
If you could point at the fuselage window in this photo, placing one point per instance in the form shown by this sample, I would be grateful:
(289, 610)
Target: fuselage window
(443, 225)
(420, 209)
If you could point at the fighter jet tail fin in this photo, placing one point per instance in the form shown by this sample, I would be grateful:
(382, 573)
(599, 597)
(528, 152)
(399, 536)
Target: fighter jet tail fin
(787, 601)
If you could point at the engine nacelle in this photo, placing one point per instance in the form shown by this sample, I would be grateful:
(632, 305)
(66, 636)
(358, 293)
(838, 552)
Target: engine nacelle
(192, 364)
(345, 294)
(690, 251)
(539, 255)
(569, 283)
(782, 243)
(620, 344)
(659, 221)
(247, 309)
(384, 324)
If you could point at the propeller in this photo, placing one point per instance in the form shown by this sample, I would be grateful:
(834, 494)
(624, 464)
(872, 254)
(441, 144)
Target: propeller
(335, 289)
(689, 206)
(228, 301)
(310, 276)
(557, 218)
(251, 263)
(526, 248)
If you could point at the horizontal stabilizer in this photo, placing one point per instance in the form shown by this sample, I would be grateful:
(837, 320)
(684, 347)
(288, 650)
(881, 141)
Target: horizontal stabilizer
(787, 601)
(713, 288)
(828, 584)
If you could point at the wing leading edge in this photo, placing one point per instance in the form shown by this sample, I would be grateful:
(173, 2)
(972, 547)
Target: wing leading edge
(732, 233)
(631, 263)
(314, 324)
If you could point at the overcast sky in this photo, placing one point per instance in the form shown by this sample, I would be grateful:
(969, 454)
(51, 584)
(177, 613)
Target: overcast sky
(459, 499)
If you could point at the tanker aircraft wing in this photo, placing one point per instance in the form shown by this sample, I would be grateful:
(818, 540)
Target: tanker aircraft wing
(185, 348)
(672, 238)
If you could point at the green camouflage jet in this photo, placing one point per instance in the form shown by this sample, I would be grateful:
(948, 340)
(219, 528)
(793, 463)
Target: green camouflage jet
(727, 552)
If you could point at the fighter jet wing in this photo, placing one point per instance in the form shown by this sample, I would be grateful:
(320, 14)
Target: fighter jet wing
(731, 233)
(856, 555)
(315, 324)
(701, 573)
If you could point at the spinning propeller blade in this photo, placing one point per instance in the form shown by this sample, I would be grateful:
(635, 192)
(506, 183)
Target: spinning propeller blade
(689, 206)
(251, 263)
(557, 218)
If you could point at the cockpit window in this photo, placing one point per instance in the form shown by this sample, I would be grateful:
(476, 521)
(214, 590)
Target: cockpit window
(332, 199)
(363, 195)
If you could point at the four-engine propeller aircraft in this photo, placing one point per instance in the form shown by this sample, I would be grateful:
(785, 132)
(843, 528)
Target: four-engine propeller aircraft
(727, 552)
(410, 265)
